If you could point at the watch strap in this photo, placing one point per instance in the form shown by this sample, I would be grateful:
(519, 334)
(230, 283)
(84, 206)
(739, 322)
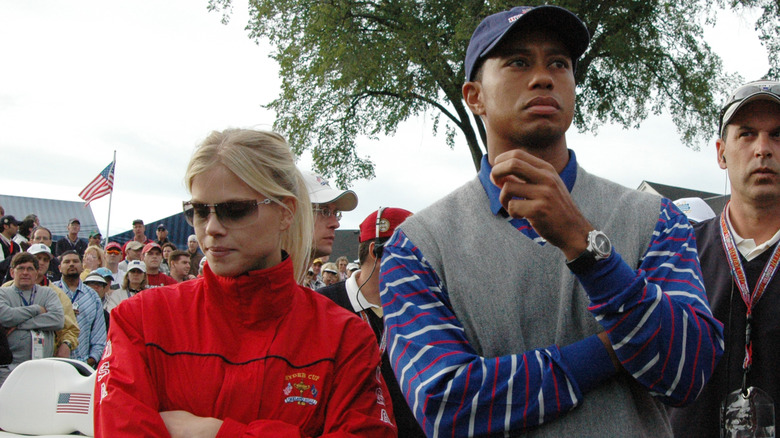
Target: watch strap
(582, 263)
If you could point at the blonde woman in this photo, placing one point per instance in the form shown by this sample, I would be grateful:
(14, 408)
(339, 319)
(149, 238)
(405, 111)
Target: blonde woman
(94, 258)
(243, 350)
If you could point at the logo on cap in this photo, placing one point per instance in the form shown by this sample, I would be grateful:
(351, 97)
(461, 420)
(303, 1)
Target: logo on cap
(514, 18)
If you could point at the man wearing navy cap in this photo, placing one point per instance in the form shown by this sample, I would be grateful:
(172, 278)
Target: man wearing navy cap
(740, 255)
(540, 298)
(162, 235)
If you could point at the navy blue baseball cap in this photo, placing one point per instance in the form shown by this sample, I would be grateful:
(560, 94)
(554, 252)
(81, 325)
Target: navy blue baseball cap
(493, 29)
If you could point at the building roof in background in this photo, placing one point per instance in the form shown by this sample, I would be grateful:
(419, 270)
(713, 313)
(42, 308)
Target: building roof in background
(673, 192)
(716, 201)
(53, 213)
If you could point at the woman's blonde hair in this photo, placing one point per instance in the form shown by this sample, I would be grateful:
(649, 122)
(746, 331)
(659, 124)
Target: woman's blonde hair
(101, 255)
(262, 159)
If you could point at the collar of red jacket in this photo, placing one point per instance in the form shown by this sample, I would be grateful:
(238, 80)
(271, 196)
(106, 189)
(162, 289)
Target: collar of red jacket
(256, 296)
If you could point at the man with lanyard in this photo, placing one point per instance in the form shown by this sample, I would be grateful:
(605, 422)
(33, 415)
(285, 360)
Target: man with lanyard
(30, 314)
(360, 294)
(739, 258)
(66, 339)
(88, 308)
(506, 307)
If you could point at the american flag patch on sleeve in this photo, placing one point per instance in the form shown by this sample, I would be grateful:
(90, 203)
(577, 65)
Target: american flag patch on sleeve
(73, 403)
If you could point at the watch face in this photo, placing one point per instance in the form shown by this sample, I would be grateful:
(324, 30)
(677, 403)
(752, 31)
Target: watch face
(602, 245)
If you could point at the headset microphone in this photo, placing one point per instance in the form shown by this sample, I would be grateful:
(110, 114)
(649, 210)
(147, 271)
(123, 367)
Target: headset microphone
(378, 247)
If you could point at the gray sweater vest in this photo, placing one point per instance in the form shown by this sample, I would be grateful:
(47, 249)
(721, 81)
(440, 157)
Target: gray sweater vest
(513, 295)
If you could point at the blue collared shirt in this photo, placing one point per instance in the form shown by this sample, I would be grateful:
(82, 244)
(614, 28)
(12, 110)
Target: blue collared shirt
(92, 323)
(568, 175)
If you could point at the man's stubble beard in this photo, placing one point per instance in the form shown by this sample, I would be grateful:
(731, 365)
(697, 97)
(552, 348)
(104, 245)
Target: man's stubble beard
(538, 139)
(71, 277)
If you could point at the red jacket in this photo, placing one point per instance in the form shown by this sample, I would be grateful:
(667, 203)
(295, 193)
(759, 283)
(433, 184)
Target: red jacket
(265, 355)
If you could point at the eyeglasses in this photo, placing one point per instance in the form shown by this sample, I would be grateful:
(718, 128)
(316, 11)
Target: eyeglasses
(231, 214)
(113, 251)
(743, 93)
(327, 212)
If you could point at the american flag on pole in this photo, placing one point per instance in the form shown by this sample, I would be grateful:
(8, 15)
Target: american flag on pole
(100, 186)
(73, 403)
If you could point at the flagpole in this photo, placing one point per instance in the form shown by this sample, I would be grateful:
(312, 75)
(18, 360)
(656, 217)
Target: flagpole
(110, 198)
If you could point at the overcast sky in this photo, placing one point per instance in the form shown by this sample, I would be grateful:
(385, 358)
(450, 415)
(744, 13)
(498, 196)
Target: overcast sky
(151, 79)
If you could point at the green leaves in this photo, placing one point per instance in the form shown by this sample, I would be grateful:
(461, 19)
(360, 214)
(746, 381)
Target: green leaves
(356, 69)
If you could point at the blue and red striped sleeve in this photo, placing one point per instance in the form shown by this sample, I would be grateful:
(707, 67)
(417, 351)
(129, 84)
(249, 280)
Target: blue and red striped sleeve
(657, 317)
(451, 389)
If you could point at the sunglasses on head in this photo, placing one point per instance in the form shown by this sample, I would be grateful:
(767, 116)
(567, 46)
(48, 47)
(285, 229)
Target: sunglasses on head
(745, 92)
(751, 89)
(231, 214)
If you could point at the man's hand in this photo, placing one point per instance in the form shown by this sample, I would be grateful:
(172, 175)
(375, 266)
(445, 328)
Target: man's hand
(62, 351)
(91, 362)
(532, 189)
(43, 309)
(183, 424)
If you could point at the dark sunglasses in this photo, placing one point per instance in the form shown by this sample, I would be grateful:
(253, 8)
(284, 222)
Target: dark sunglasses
(231, 214)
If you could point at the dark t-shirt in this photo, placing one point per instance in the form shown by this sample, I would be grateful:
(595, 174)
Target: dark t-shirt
(702, 418)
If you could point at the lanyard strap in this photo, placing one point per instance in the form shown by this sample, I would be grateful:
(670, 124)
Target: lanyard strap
(32, 296)
(738, 273)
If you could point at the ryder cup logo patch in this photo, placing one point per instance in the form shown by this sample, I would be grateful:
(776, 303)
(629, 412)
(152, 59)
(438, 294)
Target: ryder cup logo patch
(301, 389)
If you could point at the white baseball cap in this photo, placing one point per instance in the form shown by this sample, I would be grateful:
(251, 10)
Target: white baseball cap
(38, 248)
(320, 192)
(96, 278)
(695, 208)
(136, 264)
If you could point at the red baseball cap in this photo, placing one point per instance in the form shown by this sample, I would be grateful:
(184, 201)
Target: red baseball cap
(113, 245)
(389, 219)
(150, 246)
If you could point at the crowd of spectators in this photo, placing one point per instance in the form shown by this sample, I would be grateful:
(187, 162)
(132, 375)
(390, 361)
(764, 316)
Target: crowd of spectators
(88, 277)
